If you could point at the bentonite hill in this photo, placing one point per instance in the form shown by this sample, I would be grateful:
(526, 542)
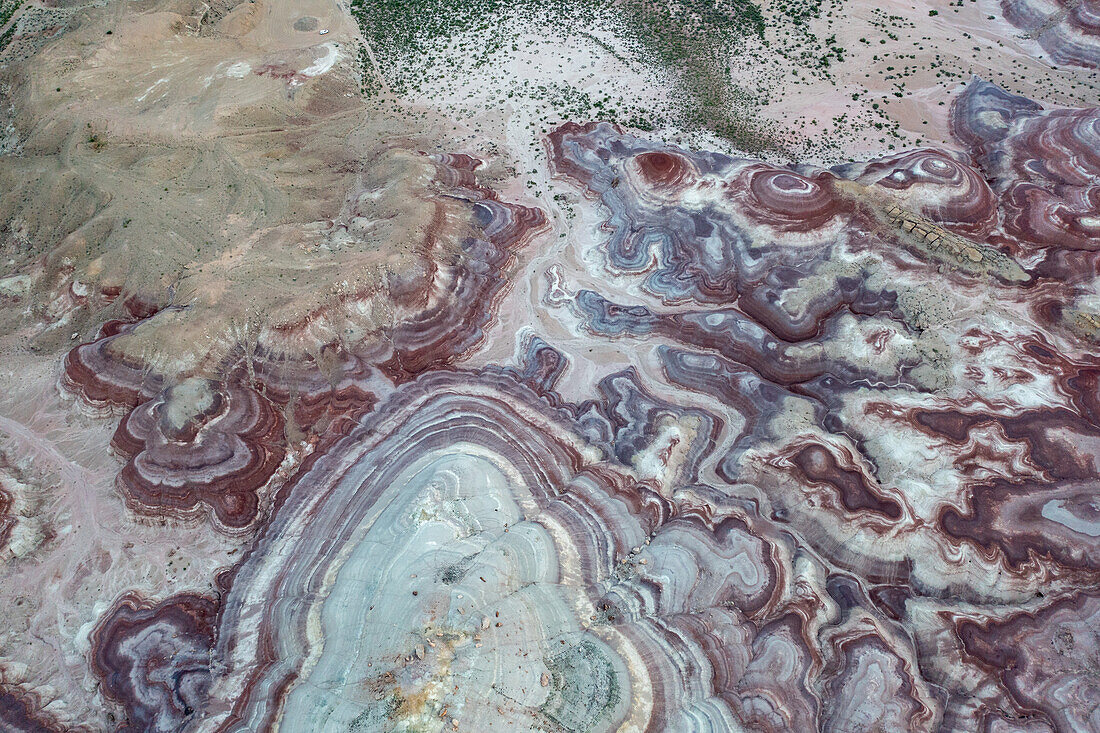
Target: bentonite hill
(438, 366)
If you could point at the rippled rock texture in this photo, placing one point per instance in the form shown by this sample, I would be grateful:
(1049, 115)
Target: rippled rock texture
(834, 467)
(1069, 30)
(897, 350)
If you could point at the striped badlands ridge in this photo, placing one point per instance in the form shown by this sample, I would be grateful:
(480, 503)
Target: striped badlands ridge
(779, 449)
(1069, 30)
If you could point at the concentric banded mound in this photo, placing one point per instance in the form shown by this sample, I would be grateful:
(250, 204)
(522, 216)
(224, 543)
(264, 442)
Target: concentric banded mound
(1043, 164)
(198, 447)
(153, 659)
(467, 555)
(945, 187)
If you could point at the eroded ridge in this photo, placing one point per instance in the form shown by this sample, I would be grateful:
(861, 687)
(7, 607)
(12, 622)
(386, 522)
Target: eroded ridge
(424, 301)
(1069, 30)
(200, 444)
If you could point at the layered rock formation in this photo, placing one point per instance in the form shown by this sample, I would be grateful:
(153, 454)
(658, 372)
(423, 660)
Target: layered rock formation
(918, 462)
(155, 659)
(815, 491)
(825, 495)
(779, 449)
(200, 445)
(1069, 31)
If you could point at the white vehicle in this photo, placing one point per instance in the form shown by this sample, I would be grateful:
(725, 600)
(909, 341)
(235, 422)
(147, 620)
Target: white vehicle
(324, 31)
